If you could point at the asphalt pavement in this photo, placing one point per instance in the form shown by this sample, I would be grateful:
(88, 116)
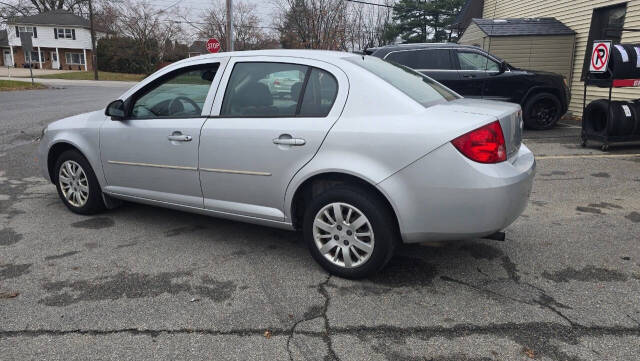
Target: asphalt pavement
(147, 283)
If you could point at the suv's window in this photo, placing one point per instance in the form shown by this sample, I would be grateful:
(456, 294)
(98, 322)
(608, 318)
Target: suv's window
(475, 61)
(263, 90)
(180, 94)
(418, 87)
(422, 59)
(319, 94)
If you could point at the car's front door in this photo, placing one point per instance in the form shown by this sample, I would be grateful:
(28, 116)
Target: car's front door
(153, 152)
(265, 134)
(474, 68)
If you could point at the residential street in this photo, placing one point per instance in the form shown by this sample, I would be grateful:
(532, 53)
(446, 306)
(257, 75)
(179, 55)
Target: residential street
(148, 283)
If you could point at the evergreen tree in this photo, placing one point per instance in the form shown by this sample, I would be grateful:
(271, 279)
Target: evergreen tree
(421, 21)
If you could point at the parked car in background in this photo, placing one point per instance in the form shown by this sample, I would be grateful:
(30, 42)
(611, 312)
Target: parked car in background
(369, 155)
(474, 73)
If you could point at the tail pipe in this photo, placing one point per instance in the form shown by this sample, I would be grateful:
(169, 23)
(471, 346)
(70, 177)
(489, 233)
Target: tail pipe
(498, 236)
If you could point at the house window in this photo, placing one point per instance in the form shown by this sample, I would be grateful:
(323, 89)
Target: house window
(26, 29)
(606, 24)
(74, 58)
(64, 33)
(32, 57)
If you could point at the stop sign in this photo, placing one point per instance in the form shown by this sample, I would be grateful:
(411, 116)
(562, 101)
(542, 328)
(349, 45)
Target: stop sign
(213, 45)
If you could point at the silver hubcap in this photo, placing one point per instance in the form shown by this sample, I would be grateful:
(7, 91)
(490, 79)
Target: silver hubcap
(343, 235)
(74, 184)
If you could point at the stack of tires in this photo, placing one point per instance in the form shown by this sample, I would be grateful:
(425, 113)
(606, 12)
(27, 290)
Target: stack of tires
(625, 61)
(618, 119)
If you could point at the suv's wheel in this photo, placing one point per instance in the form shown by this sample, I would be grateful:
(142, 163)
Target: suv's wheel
(350, 232)
(542, 111)
(77, 185)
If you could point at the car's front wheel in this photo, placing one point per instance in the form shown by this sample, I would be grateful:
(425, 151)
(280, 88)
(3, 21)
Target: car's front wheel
(350, 232)
(77, 185)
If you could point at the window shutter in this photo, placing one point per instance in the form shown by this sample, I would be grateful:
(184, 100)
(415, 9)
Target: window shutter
(73, 34)
(35, 32)
(55, 33)
(17, 32)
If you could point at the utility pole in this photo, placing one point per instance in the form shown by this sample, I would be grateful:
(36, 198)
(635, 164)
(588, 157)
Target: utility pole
(94, 58)
(229, 25)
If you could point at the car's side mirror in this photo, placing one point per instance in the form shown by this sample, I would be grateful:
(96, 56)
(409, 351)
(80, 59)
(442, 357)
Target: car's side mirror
(115, 110)
(503, 66)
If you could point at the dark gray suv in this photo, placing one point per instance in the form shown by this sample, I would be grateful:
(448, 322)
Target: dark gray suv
(474, 73)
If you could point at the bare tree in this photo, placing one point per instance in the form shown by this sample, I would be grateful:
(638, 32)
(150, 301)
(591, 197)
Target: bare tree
(248, 34)
(313, 24)
(366, 24)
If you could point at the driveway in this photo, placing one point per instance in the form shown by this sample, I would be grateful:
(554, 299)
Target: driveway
(148, 283)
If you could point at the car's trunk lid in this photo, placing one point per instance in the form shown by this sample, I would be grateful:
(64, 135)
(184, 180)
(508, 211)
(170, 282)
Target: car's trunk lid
(509, 115)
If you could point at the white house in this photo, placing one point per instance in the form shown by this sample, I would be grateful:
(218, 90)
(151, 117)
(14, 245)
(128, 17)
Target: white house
(61, 40)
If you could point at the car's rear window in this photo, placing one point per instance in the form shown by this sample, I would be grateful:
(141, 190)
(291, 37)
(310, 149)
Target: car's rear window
(417, 86)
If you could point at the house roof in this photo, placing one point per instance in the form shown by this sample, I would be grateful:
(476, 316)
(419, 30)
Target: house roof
(4, 40)
(198, 46)
(53, 17)
(471, 9)
(523, 26)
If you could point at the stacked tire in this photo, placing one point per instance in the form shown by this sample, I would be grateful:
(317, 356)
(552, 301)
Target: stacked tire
(618, 119)
(624, 63)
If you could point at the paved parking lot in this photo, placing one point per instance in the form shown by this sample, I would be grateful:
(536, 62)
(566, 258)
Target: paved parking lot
(141, 282)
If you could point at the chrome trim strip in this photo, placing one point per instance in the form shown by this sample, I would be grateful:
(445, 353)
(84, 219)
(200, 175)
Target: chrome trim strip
(152, 165)
(230, 171)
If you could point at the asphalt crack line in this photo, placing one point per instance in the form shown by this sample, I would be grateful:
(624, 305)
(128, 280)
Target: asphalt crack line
(540, 302)
(325, 335)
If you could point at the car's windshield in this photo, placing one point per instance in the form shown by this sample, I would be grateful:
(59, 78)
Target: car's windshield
(417, 86)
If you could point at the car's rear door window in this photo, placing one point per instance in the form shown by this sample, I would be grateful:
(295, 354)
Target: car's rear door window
(424, 59)
(418, 87)
(263, 89)
(320, 93)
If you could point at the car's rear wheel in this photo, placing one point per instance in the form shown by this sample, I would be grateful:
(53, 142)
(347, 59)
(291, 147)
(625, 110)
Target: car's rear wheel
(542, 111)
(77, 185)
(350, 232)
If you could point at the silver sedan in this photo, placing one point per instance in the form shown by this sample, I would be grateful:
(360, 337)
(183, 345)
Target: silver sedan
(361, 155)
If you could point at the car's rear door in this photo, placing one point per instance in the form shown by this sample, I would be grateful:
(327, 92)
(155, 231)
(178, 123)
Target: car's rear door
(153, 153)
(435, 63)
(257, 140)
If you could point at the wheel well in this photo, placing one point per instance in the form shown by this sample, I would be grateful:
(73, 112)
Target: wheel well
(55, 152)
(321, 182)
(537, 91)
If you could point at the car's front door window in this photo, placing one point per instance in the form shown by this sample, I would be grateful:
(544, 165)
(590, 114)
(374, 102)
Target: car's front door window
(177, 95)
(475, 61)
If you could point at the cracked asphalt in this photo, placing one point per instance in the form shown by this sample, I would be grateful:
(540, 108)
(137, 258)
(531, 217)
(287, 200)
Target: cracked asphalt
(149, 283)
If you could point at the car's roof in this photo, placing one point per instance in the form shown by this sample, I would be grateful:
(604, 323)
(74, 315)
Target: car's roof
(389, 48)
(298, 53)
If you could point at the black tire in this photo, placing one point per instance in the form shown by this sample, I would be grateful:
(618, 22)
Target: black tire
(381, 219)
(542, 111)
(94, 203)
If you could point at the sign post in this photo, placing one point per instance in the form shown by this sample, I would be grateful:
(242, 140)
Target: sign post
(600, 56)
(27, 47)
(213, 45)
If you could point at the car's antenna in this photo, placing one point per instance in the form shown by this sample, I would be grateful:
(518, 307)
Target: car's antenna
(364, 51)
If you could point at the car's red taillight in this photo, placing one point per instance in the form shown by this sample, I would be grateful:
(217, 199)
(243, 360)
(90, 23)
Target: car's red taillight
(483, 145)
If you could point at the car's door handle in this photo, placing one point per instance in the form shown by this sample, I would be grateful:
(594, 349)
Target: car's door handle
(289, 141)
(179, 137)
(468, 76)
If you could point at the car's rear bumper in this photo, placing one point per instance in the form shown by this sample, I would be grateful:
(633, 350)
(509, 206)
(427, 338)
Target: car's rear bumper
(445, 196)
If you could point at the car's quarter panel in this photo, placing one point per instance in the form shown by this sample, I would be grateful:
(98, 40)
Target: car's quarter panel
(466, 201)
(382, 131)
(242, 171)
(80, 131)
